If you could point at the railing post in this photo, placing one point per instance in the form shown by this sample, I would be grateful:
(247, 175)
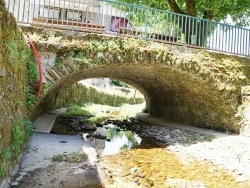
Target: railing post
(146, 25)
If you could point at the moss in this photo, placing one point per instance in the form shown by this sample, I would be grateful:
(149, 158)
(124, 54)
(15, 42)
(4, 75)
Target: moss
(13, 86)
(179, 84)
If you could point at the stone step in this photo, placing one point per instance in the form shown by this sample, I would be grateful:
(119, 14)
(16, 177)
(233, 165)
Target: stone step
(49, 78)
(66, 69)
(54, 74)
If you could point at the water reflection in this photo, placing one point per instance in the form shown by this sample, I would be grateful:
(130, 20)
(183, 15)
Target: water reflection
(110, 139)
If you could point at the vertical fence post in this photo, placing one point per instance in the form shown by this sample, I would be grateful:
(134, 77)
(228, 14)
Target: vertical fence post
(146, 25)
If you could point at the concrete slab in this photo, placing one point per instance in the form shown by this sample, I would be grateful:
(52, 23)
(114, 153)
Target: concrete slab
(44, 123)
(158, 121)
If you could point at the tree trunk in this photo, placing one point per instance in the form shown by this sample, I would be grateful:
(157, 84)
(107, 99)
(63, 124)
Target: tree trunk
(195, 30)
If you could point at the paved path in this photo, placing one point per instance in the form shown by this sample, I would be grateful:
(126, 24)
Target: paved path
(158, 121)
(44, 123)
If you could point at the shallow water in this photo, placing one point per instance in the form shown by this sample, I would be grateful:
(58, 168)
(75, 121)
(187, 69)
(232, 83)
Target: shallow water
(126, 156)
(115, 139)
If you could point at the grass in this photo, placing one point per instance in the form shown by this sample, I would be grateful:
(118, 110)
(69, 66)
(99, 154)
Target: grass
(118, 91)
(192, 138)
(105, 111)
(95, 119)
(75, 157)
(210, 137)
(58, 158)
(76, 110)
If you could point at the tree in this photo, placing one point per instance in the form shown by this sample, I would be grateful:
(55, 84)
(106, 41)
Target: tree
(214, 10)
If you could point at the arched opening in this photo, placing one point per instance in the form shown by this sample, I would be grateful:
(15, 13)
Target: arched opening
(169, 93)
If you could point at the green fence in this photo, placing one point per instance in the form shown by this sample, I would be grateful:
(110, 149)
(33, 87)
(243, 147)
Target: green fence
(132, 20)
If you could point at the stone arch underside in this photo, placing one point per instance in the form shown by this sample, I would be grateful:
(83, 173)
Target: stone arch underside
(194, 87)
(171, 94)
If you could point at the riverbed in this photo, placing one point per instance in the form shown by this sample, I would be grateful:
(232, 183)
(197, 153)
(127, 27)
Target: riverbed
(151, 156)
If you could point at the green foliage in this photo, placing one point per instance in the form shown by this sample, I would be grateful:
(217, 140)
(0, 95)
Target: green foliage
(218, 10)
(58, 61)
(5, 157)
(209, 137)
(81, 59)
(97, 119)
(57, 158)
(28, 128)
(145, 110)
(46, 87)
(132, 137)
(17, 138)
(192, 138)
(76, 110)
(75, 157)
(31, 98)
(116, 83)
(20, 132)
(78, 157)
(79, 94)
(31, 65)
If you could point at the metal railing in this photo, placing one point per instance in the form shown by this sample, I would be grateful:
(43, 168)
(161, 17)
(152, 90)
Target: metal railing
(132, 20)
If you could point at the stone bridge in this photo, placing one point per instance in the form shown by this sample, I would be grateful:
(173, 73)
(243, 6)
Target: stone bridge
(185, 85)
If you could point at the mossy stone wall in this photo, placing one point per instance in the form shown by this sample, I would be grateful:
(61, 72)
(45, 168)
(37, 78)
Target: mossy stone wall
(190, 86)
(13, 84)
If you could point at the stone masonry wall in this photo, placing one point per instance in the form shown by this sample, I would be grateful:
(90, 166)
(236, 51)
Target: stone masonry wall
(195, 87)
(190, 86)
(13, 87)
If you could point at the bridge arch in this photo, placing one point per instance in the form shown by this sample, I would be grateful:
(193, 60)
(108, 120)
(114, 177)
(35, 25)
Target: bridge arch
(189, 86)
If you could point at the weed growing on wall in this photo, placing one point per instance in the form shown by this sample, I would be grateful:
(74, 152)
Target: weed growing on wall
(31, 66)
(31, 98)
(4, 162)
(46, 87)
(32, 76)
(20, 133)
(28, 127)
(17, 139)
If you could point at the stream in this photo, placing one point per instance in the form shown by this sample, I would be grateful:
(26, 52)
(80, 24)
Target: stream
(109, 137)
(127, 153)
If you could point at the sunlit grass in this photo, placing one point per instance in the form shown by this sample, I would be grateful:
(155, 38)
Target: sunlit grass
(105, 111)
(120, 91)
